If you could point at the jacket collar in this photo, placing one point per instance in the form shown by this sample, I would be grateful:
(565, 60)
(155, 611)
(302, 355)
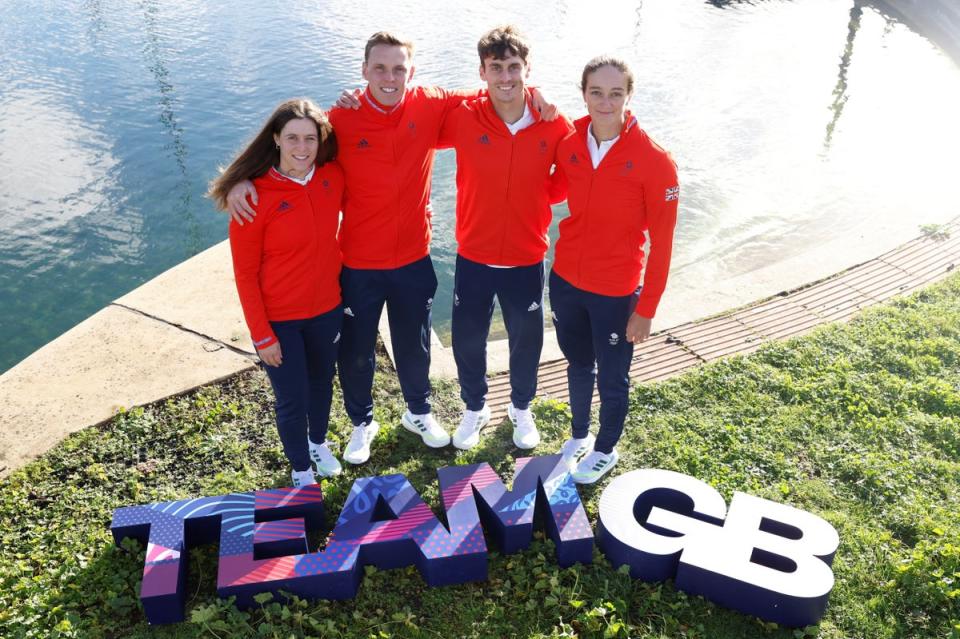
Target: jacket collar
(630, 126)
(493, 118)
(380, 108)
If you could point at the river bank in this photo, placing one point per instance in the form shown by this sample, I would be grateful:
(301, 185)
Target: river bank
(855, 422)
(185, 329)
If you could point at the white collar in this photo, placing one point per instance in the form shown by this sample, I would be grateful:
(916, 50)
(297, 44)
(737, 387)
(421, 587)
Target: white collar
(525, 120)
(597, 151)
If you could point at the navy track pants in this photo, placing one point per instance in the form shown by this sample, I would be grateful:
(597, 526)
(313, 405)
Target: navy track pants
(303, 383)
(408, 294)
(591, 332)
(519, 291)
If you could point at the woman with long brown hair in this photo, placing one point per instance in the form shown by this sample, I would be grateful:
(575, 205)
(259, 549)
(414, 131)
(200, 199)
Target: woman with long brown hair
(287, 267)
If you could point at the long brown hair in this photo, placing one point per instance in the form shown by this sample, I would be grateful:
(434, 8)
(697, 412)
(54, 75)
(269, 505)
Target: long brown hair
(262, 152)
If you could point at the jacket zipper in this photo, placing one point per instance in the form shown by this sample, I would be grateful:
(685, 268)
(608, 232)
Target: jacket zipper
(506, 203)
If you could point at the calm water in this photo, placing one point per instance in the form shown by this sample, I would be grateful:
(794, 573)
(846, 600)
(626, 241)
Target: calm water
(794, 123)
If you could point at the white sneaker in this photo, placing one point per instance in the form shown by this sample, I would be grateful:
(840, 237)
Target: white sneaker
(327, 464)
(594, 466)
(303, 478)
(358, 448)
(525, 433)
(428, 429)
(573, 449)
(468, 432)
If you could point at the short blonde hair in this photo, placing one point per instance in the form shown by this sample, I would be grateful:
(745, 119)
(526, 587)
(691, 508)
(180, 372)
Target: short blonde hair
(387, 38)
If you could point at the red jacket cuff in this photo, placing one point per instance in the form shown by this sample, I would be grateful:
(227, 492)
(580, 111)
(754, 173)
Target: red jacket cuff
(269, 340)
(646, 307)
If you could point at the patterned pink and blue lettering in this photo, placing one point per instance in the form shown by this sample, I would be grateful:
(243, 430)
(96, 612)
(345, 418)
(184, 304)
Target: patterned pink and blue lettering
(475, 493)
(384, 523)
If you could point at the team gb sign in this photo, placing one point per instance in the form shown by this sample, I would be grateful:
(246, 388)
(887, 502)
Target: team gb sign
(758, 556)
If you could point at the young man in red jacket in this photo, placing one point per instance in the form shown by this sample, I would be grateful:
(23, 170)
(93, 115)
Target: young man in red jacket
(505, 152)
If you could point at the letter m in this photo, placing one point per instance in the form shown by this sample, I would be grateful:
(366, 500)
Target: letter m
(542, 490)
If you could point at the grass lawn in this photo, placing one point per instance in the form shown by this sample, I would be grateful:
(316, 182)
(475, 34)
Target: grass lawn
(858, 423)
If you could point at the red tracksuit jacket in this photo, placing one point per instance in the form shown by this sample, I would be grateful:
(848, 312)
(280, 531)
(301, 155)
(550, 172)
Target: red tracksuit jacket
(633, 189)
(504, 187)
(387, 156)
(287, 261)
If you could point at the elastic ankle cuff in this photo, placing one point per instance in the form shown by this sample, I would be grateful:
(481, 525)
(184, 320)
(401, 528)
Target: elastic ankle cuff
(420, 408)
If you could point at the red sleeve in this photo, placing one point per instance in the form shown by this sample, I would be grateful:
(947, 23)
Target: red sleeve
(342, 185)
(448, 129)
(246, 248)
(453, 99)
(661, 196)
(558, 179)
(558, 185)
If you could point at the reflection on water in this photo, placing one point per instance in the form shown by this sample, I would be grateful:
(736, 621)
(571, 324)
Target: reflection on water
(166, 101)
(840, 92)
(796, 125)
(76, 183)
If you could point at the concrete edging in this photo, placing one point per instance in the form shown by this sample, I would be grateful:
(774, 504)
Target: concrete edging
(184, 329)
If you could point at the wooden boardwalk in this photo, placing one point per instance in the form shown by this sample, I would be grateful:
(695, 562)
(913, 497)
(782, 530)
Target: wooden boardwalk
(837, 298)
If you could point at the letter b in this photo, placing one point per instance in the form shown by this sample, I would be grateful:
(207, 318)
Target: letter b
(769, 559)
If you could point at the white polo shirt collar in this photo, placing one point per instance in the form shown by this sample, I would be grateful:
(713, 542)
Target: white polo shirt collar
(597, 151)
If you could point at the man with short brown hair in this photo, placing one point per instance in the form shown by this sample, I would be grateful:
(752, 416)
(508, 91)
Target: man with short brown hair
(505, 152)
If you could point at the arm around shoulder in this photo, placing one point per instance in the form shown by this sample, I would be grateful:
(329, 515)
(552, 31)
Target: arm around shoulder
(241, 202)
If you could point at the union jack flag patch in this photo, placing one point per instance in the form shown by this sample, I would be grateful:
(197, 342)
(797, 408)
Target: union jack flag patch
(673, 193)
